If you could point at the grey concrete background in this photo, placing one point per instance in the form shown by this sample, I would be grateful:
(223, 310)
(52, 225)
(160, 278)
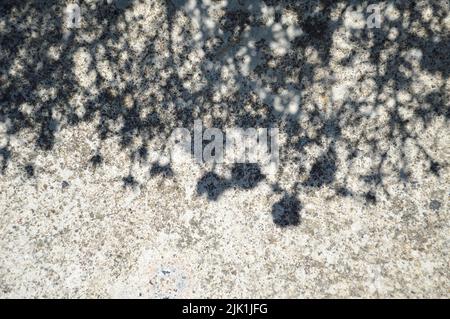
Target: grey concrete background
(358, 206)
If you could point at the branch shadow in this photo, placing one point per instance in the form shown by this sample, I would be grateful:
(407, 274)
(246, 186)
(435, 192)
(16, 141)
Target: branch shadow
(232, 63)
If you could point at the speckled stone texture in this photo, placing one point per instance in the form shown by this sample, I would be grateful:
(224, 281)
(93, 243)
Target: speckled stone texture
(92, 206)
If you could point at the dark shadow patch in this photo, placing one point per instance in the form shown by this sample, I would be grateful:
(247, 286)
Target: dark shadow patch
(46, 139)
(286, 212)
(435, 55)
(122, 4)
(404, 175)
(372, 179)
(323, 170)
(211, 184)
(316, 26)
(29, 170)
(243, 176)
(161, 170)
(129, 181)
(344, 192)
(143, 153)
(435, 205)
(435, 168)
(6, 155)
(96, 160)
(370, 198)
(246, 175)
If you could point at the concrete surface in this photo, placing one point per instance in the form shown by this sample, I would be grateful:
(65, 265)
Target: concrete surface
(359, 205)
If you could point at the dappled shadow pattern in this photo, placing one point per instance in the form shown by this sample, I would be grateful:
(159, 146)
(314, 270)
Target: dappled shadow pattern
(138, 69)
